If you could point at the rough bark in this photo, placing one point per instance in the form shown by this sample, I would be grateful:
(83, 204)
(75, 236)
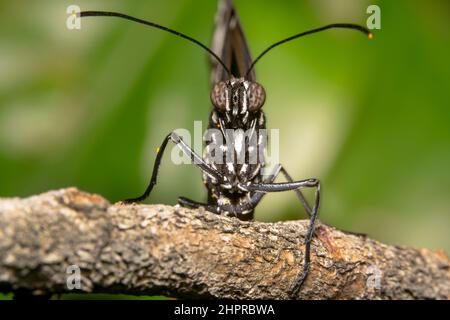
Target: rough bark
(164, 250)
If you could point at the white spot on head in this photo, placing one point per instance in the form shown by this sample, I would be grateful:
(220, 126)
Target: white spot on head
(244, 119)
(227, 99)
(244, 103)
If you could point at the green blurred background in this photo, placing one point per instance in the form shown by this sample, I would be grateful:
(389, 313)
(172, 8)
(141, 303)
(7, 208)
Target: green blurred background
(369, 118)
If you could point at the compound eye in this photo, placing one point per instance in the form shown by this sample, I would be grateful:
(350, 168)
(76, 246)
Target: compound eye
(256, 96)
(219, 96)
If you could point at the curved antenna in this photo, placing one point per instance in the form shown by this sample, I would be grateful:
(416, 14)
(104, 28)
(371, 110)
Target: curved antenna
(330, 26)
(154, 25)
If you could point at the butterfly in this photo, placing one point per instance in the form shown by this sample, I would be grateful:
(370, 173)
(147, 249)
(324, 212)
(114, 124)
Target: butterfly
(233, 160)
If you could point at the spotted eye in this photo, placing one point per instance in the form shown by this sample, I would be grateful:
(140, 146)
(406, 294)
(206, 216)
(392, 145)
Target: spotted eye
(219, 95)
(256, 96)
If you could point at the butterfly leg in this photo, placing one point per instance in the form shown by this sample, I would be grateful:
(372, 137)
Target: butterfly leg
(298, 192)
(279, 187)
(198, 161)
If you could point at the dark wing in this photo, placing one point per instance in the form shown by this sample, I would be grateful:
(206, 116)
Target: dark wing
(230, 45)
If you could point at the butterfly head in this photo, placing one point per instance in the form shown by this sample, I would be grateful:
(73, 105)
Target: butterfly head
(237, 97)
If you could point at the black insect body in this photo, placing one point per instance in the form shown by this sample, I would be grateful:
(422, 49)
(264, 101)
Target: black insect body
(238, 120)
(233, 159)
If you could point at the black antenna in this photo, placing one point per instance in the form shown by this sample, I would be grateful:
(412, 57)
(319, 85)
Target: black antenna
(154, 25)
(330, 26)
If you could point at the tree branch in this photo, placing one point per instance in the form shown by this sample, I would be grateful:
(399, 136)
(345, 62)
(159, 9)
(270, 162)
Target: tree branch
(163, 250)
